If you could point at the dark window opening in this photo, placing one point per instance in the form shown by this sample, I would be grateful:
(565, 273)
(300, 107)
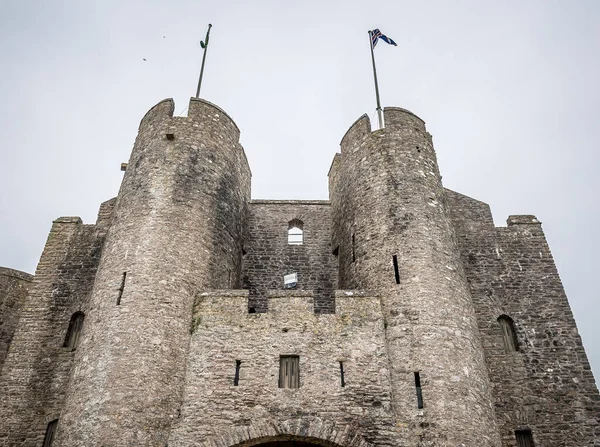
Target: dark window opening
(419, 391)
(74, 331)
(251, 310)
(289, 371)
(121, 289)
(353, 248)
(524, 438)
(509, 335)
(50, 431)
(336, 251)
(342, 379)
(396, 271)
(236, 379)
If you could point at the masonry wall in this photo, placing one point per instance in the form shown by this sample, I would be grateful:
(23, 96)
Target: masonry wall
(177, 226)
(14, 286)
(269, 256)
(388, 201)
(547, 386)
(37, 369)
(215, 412)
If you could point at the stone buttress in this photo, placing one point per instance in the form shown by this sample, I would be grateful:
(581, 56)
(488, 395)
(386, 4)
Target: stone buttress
(392, 233)
(176, 228)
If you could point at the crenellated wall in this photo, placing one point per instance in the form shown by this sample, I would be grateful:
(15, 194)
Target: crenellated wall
(547, 386)
(176, 227)
(388, 201)
(223, 332)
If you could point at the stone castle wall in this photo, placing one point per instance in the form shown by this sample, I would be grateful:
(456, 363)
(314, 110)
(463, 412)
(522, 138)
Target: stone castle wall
(215, 412)
(37, 369)
(269, 256)
(388, 203)
(547, 386)
(177, 226)
(158, 278)
(14, 286)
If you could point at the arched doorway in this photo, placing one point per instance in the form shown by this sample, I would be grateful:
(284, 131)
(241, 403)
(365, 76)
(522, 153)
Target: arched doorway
(287, 441)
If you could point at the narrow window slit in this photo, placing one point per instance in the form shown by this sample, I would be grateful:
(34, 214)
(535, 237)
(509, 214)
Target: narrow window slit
(121, 289)
(396, 271)
(50, 431)
(236, 379)
(353, 248)
(419, 391)
(343, 381)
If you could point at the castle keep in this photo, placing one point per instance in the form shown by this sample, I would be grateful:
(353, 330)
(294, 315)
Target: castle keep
(411, 320)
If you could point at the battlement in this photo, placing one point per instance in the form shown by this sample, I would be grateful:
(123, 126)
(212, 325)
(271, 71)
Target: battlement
(200, 113)
(394, 117)
(283, 305)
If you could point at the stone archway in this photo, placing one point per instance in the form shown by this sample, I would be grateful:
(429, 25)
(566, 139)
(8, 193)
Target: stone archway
(288, 441)
(306, 432)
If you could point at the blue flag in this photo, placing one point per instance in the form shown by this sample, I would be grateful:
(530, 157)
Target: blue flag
(376, 35)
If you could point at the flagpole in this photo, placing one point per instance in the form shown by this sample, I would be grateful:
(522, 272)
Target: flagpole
(379, 113)
(205, 46)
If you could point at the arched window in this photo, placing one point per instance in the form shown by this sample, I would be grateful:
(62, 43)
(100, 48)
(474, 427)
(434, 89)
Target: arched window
(74, 331)
(295, 232)
(508, 333)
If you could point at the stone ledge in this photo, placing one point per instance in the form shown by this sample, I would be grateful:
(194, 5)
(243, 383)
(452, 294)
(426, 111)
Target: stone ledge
(522, 219)
(5, 271)
(68, 219)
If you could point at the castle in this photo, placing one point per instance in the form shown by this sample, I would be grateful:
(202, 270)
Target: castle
(393, 314)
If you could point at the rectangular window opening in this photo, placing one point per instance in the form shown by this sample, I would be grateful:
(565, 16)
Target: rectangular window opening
(343, 381)
(353, 248)
(396, 271)
(236, 379)
(524, 438)
(121, 289)
(289, 371)
(419, 391)
(50, 431)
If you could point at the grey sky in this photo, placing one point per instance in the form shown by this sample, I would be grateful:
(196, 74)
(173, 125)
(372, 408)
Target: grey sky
(509, 90)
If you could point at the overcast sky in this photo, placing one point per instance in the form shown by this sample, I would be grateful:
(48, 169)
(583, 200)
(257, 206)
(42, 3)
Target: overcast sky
(509, 90)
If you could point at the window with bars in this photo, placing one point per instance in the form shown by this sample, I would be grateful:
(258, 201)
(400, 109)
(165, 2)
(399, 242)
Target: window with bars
(50, 431)
(509, 334)
(289, 371)
(74, 331)
(524, 438)
(295, 232)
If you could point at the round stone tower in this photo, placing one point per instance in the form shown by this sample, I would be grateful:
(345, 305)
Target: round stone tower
(177, 229)
(393, 234)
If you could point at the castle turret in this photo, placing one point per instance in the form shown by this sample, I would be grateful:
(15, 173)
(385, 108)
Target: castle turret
(393, 234)
(176, 228)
